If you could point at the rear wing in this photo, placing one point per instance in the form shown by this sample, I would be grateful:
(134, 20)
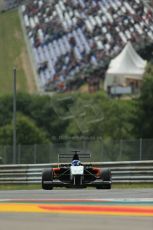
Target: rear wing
(70, 155)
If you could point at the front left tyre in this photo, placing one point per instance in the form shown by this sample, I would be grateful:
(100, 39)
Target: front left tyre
(47, 176)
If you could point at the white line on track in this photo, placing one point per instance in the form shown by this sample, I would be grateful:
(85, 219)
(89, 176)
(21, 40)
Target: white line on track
(85, 200)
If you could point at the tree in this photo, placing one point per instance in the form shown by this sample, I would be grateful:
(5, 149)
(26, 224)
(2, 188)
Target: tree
(37, 107)
(98, 116)
(69, 115)
(6, 108)
(143, 122)
(27, 132)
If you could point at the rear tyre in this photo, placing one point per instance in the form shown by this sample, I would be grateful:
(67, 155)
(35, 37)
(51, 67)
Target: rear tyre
(105, 176)
(47, 175)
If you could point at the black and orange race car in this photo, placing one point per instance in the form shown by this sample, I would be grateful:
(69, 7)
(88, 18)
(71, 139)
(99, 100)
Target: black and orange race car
(76, 174)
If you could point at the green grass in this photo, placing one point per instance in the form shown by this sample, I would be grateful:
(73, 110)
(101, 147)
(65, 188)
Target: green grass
(20, 187)
(132, 185)
(12, 52)
(38, 186)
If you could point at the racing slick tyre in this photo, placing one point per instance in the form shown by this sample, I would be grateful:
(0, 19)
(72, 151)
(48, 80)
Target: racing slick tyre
(105, 176)
(47, 175)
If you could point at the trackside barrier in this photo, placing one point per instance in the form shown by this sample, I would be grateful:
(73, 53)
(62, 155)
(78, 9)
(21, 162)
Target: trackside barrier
(122, 172)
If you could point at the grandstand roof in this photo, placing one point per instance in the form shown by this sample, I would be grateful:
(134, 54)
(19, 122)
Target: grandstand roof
(127, 62)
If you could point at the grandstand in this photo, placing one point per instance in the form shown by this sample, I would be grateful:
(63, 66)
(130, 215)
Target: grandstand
(69, 37)
(10, 4)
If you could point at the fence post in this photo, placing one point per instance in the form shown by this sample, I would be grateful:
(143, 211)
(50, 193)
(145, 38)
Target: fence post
(101, 146)
(140, 149)
(35, 153)
(120, 157)
(4, 155)
(50, 151)
(14, 116)
(19, 154)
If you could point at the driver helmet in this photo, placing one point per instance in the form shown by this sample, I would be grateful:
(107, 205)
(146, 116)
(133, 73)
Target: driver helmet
(76, 162)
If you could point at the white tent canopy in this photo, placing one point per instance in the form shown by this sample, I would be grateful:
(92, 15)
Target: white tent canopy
(128, 64)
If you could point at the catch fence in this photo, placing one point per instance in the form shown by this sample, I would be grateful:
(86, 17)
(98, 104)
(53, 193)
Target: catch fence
(101, 151)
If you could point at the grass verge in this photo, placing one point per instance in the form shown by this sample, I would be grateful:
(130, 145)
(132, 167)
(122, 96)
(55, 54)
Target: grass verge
(38, 186)
(20, 187)
(13, 52)
(132, 185)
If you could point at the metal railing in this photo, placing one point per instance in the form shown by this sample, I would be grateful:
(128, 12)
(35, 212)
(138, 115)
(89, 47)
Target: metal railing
(122, 172)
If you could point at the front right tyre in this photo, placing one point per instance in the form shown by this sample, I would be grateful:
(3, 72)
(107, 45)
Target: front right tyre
(47, 176)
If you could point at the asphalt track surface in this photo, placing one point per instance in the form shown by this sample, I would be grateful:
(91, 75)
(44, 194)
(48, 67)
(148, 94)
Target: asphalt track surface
(77, 194)
(126, 209)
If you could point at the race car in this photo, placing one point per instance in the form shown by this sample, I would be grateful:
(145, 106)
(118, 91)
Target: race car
(76, 174)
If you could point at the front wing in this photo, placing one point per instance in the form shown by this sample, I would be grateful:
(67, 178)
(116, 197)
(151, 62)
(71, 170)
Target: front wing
(58, 183)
